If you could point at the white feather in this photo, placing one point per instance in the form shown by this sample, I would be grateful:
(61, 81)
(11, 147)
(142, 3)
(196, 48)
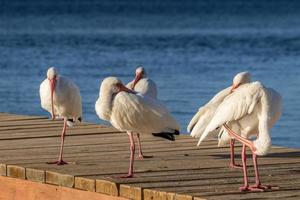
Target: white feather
(253, 109)
(202, 118)
(66, 100)
(145, 86)
(133, 112)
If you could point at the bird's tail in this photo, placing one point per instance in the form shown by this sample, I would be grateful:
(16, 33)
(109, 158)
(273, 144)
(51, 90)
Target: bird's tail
(193, 122)
(167, 135)
(70, 122)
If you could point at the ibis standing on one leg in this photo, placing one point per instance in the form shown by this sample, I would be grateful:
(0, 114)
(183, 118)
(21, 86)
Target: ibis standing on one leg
(61, 97)
(145, 86)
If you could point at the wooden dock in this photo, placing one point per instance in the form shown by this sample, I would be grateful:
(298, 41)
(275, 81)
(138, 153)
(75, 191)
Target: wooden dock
(97, 154)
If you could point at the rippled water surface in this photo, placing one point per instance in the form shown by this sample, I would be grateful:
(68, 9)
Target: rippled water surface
(191, 49)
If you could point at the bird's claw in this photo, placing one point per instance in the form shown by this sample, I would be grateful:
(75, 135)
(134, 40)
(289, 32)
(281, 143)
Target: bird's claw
(235, 166)
(127, 176)
(265, 187)
(251, 189)
(141, 157)
(258, 188)
(58, 162)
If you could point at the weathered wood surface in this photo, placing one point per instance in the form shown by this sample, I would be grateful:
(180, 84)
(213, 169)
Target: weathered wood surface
(98, 154)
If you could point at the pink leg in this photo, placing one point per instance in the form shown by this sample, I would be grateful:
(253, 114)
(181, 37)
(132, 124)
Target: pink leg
(132, 150)
(258, 186)
(245, 141)
(141, 156)
(244, 160)
(232, 161)
(249, 143)
(63, 134)
(257, 179)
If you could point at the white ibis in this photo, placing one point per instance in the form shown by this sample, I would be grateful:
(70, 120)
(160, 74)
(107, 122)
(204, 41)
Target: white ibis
(205, 113)
(251, 109)
(133, 113)
(142, 84)
(145, 86)
(61, 97)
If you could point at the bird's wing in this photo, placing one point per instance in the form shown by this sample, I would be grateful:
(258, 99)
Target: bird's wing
(201, 119)
(235, 106)
(219, 97)
(45, 95)
(68, 98)
(146, 87)
(141, 114)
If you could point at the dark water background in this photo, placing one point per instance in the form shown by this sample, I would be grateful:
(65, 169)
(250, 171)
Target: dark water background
(192, 49)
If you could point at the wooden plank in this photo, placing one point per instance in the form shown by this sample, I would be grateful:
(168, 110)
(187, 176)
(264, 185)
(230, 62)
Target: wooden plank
(3, 170)
(55, 178)
(107, 187)
(85, 184)
(36, 175)
(15, 171)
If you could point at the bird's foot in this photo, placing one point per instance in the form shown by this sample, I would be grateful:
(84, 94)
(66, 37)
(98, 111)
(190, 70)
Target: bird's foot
(265, 187)
(247, 188)
(58, 162)
(235, 166)
(258, 188)
(127, 176)
(141, 157)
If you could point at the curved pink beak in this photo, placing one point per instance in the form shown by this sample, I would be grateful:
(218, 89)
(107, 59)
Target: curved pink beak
(125, 89)
(136, 79)
(52, 87)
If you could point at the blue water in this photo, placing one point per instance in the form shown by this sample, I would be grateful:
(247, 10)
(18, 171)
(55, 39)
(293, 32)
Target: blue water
(191, 49)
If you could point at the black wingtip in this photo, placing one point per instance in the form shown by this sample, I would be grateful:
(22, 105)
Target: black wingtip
(176, 132)
(167, 135)
(71, 120)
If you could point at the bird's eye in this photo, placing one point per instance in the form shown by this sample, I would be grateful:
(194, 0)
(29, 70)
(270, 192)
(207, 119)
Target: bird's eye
(117, 87)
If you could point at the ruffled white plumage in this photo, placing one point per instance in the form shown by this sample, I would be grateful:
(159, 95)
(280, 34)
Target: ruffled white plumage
(138, 113)
(202, 118)
(251, 109)
(66, 100)
(145, 86)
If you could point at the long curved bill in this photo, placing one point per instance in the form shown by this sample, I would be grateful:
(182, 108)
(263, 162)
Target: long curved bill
(136, 79)
(52, 87)
(125, 89)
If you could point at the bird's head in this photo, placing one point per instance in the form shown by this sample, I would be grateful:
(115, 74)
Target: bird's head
(52, 77)
(52, 73)
(139, 74)
(240, 79)
(113, 85)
